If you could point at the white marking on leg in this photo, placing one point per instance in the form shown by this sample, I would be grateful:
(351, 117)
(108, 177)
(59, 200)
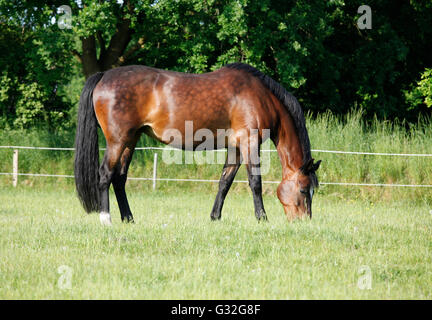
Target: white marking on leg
(105, 218)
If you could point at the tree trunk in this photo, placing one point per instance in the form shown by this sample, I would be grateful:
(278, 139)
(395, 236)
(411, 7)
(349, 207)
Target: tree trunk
(89, 60)
(110, 57)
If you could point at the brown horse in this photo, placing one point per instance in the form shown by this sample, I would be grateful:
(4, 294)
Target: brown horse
(132, 100)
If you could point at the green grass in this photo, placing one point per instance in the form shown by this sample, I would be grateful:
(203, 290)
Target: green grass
(174, 251)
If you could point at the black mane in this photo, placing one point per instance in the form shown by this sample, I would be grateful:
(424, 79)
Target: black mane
(287, 99)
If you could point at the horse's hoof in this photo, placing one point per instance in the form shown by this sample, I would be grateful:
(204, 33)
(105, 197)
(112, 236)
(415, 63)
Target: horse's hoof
(128, 219)
(105, 219)
(215, 218)
(261, 216)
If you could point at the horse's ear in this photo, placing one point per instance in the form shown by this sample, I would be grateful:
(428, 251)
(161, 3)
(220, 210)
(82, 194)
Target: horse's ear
(307, 167)
(316, 165)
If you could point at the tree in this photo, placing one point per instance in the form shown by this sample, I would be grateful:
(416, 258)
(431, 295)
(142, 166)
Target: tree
(421, 93)
(109, 32)
(33, 66)
(314, 48)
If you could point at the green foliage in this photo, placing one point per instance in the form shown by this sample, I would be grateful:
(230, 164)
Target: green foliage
(422, 93)
(35, 63)
(30, 105)
(314, 48)
(94, 16)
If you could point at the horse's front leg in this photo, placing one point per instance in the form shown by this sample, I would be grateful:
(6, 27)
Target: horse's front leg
(232, 164)
(252, 161)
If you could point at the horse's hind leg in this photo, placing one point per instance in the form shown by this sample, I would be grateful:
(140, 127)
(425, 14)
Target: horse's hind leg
(106, 172)
(232, 164)
(119, 181)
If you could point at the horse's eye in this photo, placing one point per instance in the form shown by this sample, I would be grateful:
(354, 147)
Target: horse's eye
(304, 191)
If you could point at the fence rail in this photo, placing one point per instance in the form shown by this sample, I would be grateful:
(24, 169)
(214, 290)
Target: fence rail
(235, 181)
(224, 150)
(154, 178)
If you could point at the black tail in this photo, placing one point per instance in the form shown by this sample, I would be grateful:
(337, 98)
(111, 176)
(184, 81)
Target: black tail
(86, 166)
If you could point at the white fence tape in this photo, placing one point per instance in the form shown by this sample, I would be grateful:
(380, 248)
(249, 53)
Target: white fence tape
(224, 150)
(237, 181)
(154, 179)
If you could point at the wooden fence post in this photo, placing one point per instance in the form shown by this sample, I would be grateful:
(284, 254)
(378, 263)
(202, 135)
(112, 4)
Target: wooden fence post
(15, 168)
(155, 170)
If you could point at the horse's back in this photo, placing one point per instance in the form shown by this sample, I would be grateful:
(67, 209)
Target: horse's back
(140, 96)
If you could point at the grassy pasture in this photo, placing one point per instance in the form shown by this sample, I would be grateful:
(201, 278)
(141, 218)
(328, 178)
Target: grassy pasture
(175, 251)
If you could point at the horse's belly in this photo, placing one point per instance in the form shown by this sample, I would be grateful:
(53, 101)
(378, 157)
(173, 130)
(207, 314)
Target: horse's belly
(188, 135)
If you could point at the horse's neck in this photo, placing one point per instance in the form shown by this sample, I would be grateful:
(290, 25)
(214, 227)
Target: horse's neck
(288, 147)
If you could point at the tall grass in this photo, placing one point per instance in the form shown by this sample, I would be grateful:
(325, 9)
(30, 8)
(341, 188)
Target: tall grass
(351, 133)
(327, 131)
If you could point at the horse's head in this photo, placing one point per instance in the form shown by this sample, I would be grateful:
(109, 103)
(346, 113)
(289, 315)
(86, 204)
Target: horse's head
(296, 191)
